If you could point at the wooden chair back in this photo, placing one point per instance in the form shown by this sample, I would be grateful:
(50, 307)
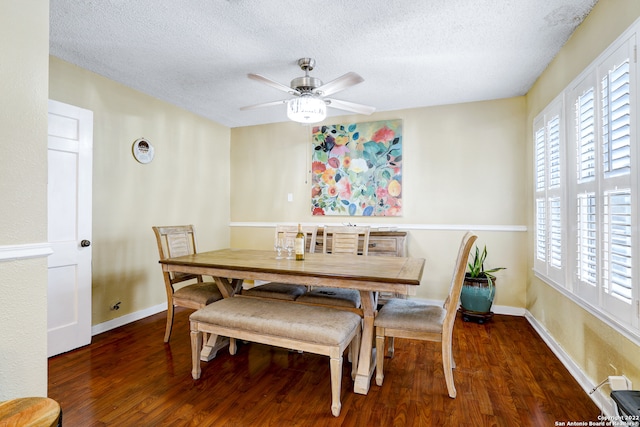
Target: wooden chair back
(290, 231)
(457, 280)
(174, 241)
(345, 239)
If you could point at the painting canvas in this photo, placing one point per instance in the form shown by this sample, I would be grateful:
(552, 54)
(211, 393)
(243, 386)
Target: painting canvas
(357, 169)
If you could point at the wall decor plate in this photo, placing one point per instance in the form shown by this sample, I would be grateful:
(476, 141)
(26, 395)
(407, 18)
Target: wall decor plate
(143, 150)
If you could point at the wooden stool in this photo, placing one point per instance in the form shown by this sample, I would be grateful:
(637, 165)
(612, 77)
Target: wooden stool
(30, 412)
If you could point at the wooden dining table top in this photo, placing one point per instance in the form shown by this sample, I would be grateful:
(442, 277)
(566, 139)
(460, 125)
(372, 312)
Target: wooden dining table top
(353, 271)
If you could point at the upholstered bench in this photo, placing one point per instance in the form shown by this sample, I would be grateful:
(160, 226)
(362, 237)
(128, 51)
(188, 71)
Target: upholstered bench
(319, 330)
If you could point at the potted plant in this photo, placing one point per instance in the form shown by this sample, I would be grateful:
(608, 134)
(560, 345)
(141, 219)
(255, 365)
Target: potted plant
(478, 289)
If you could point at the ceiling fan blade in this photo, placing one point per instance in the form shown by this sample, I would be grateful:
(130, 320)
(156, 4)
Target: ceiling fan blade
(264, 104)
(341, 83)
(272, 83)
(350, 106)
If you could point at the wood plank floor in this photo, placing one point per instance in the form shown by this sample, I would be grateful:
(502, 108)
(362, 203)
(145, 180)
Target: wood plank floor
(505, 376)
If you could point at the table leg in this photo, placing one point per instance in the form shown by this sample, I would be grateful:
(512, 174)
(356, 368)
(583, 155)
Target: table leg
(228, 287)
(367, 359)
(211, 347)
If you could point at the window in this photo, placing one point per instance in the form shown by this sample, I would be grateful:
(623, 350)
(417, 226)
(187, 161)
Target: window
(585, 186)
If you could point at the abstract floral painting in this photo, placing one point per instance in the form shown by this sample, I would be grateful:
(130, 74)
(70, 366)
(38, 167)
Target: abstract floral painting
(356, 169)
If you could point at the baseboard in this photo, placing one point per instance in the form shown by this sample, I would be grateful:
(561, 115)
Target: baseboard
(510, 311)
(127, 318)
(603, 402)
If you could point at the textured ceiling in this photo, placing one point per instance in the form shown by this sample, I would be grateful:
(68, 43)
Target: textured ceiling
(196, 54)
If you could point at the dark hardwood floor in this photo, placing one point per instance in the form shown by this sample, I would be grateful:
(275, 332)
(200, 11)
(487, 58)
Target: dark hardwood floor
(505, 376)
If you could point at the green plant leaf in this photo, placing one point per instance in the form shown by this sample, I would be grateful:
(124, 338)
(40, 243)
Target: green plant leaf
(476, 266)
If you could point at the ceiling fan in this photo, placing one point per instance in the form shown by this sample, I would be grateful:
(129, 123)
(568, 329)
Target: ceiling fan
(309, 102)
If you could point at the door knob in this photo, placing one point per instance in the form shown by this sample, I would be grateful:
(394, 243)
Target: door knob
(85, 243)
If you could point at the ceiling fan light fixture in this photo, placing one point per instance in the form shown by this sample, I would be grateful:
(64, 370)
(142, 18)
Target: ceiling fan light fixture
(306, 109)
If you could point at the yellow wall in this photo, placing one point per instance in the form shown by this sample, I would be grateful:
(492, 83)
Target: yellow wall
(24, 43)
(591, 344)
(187, 183)
(463, 166)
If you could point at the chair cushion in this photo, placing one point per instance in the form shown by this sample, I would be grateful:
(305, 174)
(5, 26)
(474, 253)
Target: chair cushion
(274, 290)
(332, 296)
(321, 325)
(411, 315)
(201, 293)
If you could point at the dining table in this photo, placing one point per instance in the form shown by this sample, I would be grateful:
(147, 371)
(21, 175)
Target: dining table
(367, 274)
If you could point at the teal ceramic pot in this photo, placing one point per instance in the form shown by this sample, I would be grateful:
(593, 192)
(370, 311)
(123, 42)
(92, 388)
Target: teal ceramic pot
(477, 296)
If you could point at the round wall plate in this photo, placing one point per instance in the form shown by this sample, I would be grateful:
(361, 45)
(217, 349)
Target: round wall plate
(143, 150)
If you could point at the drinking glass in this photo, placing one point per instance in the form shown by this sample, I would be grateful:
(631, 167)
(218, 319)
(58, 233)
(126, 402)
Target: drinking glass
(289, 245)
(278, 247)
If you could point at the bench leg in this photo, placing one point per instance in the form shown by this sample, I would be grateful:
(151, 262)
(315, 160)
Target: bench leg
(354, 348)
(196, 344)
(233, 346)
(380, 356)
(335, 364)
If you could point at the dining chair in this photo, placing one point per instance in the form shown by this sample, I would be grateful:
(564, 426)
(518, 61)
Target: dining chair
(339, 240)
(284, 291)
(174, 241)
(412, 319)
(345, 239)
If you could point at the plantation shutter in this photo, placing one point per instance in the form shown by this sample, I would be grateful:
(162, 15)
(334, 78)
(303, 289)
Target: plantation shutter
(617, 245)
(541, 231)
(585, 119)
(553, 129)
(586, 209)
(617, 197)
(555, 202)
(540, 167)
(548, 140)
(540, 159)
(616, 121)
(555, 240)
(587, 268)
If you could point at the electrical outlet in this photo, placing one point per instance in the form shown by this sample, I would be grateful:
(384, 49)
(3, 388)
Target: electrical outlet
(619, 382)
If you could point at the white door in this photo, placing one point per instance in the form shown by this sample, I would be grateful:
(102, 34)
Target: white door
(70, 156)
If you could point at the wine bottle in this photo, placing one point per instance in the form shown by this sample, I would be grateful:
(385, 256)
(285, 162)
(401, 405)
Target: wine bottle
(300, 244)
